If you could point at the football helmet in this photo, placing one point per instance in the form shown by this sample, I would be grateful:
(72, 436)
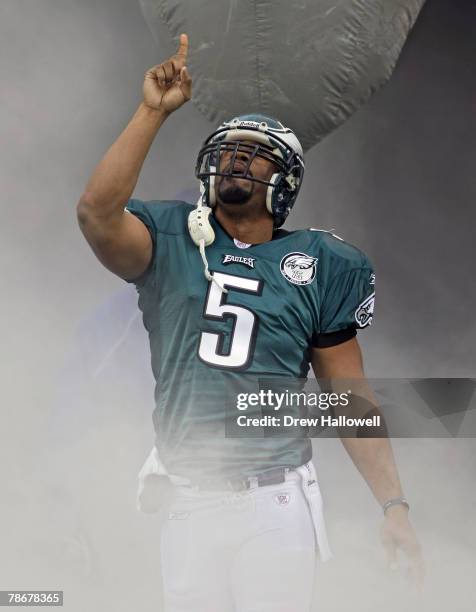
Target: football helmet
(274, 142)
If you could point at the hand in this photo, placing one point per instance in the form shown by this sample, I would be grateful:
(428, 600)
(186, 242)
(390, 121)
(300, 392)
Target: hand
(169, 85)
(397, 532)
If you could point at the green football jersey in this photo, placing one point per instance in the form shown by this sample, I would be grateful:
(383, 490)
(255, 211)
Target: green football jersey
(301, 289)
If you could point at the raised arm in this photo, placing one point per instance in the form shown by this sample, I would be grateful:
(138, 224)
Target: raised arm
(120, 240)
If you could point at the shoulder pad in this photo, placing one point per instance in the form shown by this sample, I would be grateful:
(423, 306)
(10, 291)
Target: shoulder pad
(316, 229)
(339, 250)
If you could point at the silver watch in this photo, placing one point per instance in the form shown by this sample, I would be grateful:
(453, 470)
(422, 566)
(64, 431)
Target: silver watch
(396, 501)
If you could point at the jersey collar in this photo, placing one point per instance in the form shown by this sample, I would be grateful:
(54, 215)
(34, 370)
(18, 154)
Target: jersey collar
(223, 238)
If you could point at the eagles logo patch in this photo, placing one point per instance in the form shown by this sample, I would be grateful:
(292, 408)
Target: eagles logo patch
(365, 311)
(298, 268)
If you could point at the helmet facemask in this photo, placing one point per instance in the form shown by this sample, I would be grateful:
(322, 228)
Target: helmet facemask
(267, 144)
(271, 141)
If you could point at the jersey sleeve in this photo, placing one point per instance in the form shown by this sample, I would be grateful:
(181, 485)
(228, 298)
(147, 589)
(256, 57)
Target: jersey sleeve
(348, 305)
(159, 217)
(143, 212)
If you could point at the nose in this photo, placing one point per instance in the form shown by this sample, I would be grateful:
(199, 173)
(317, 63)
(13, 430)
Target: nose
(242, 155)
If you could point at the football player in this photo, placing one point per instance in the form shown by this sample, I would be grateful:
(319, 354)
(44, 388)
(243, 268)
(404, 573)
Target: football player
(230, 298)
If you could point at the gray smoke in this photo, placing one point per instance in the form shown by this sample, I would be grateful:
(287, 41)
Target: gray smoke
(397, 180)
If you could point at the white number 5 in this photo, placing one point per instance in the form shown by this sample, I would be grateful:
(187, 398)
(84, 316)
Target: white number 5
(245, 323)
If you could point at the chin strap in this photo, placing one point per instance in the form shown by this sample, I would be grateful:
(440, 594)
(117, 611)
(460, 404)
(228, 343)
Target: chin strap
(201, 232)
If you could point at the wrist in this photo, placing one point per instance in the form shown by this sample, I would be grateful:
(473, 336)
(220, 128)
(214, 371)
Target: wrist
(397, 512)
(158, 114)
(397, 506)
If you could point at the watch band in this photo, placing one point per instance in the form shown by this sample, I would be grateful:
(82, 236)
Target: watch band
(396, 501)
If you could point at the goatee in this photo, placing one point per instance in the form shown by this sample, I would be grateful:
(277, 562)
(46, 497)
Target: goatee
(232, 193)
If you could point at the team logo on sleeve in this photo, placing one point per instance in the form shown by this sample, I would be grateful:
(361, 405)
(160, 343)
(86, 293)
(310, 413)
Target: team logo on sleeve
(298, 268)
(365, 311)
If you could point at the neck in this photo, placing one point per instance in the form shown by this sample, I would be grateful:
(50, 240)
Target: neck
(252, 229)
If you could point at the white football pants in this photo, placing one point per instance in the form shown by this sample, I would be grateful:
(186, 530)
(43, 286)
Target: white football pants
(252, 551)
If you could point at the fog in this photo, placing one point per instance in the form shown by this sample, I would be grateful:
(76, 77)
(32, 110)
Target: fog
(397, 180)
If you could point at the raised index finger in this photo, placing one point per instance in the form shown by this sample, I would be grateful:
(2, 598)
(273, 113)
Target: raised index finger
(183, 46)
